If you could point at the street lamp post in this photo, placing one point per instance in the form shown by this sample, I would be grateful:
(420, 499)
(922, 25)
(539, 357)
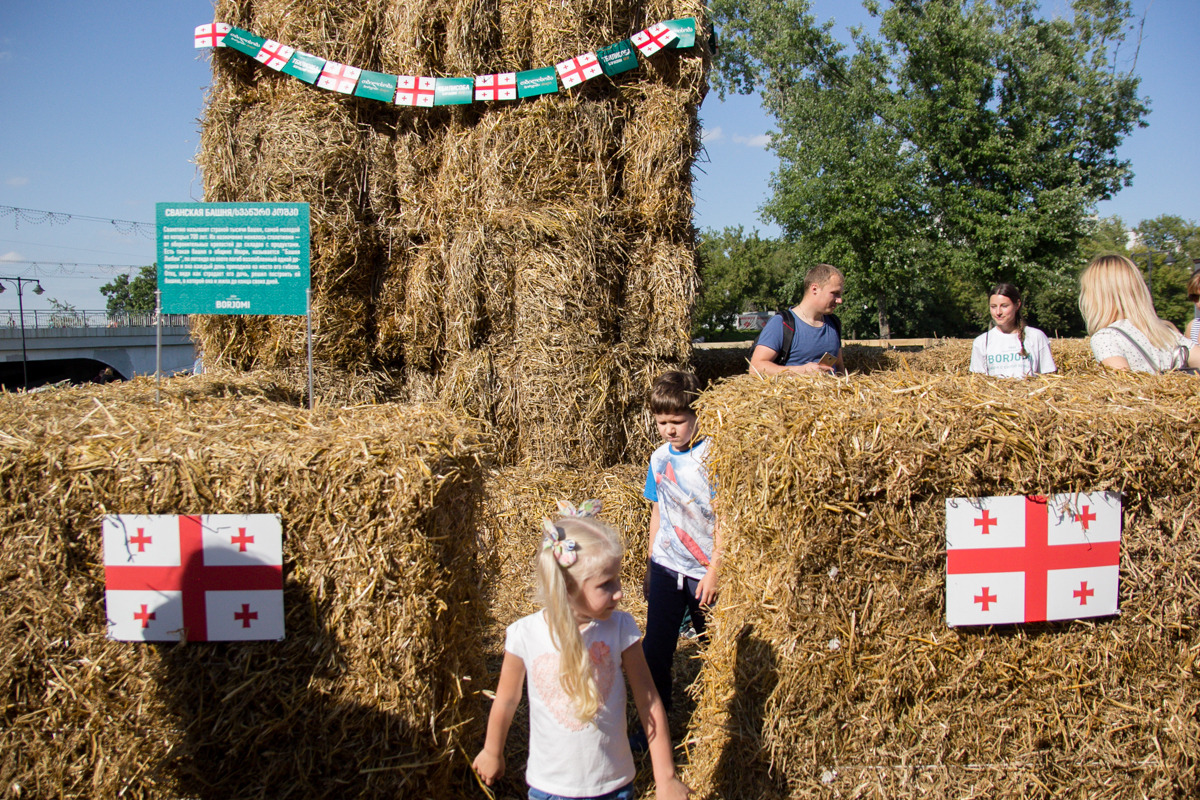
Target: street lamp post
(1150, 254)
(37, 289)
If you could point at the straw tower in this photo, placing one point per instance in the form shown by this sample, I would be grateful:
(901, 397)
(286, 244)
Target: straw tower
(530, 262)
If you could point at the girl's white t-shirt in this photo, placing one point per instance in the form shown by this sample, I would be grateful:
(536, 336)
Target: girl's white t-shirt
(1109, 342)
(998, 353)
(566, 756)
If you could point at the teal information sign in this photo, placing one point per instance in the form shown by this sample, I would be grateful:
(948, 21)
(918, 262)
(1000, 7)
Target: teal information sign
(233, 258)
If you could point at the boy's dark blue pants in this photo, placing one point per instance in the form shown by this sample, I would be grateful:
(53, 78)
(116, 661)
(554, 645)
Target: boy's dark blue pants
(667, 598)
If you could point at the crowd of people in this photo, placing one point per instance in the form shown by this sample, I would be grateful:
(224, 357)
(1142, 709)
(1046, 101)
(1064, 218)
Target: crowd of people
(574, 655)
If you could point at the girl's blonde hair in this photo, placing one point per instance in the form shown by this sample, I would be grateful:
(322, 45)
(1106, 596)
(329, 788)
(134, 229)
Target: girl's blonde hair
(1111, 288)
(596, 546)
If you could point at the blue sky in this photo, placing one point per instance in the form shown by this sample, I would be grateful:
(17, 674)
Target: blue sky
(101, 102)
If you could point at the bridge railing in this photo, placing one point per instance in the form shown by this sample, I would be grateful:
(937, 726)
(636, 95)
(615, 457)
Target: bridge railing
(44, 320)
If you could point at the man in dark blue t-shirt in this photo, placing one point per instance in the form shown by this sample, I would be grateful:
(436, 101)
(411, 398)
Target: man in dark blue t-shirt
(816, 334)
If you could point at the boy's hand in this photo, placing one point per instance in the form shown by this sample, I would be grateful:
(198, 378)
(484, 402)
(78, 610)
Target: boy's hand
(706, 589)
(490, 767)
(673, 789)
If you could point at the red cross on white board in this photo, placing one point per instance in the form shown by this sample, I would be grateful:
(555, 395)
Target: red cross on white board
(575, 71)
(1085, 517)
(985, 599)
(653, 39)
(211, 34)
(985, 521)
(274, 54)
(141, 540)
(498, 86)
(1017, 559)
(415, 90)
(216, 577)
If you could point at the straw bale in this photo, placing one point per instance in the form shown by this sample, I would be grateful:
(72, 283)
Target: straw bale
(371, 691)
(831, 671)
(1071, 356)
(518, 228)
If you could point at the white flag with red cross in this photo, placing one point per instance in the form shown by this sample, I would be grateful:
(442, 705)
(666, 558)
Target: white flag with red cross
(415, 90)
(210, 578)
(575, 71)
(338, 77)
(212, 34)
(653, 39)
(1032, 559)
(498, 86)
(274, 54)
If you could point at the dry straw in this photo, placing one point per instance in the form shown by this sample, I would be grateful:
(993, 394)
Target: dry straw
(374, 692)
(549, 239)
(832, 671)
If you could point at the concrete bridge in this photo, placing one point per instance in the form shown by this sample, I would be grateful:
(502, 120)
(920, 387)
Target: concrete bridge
(78, 345)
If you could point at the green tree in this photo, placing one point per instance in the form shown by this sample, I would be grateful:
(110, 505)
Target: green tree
(132, 295)
(963, 144)
(739, 273)
(1172, 244)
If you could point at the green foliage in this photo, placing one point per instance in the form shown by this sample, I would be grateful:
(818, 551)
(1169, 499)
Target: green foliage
(964, 144)
(739, 273)
(1173, 238)
(132, 295)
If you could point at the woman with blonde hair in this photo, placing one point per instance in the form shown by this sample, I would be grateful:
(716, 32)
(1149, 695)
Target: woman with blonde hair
(1126, 332)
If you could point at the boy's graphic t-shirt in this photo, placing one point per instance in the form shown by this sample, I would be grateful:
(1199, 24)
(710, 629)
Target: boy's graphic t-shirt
(678, 481)
(567, 756)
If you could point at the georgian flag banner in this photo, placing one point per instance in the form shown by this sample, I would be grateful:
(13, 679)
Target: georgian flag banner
(427, 92)
(1032, 559)
(415, 90)
(212, 34)
(338, 77)
(274, 54)
(500, 86)
(210, 578)
(575, 71)
(653, 39)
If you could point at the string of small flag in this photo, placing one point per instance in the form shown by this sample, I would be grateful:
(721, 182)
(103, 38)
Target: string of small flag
(426, 91)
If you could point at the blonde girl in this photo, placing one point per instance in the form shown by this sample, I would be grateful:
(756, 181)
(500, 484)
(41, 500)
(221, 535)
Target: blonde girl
(1126, 332)
(1012, 349)
(574, 655)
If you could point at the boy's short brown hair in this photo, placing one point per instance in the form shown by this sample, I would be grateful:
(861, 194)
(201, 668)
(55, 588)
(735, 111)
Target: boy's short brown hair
(674, 392)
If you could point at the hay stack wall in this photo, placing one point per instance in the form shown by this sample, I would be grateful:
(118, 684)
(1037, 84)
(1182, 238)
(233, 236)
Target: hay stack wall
(530, 261)
(369, 694)
(832, 671)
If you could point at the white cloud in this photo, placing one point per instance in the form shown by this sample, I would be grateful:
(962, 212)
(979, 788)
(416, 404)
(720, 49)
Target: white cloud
(12, 255)
(761, 140)
(711, 135)
(20, 180)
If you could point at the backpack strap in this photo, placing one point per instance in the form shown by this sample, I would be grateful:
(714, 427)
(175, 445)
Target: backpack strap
(1153, 364)
(789, 333)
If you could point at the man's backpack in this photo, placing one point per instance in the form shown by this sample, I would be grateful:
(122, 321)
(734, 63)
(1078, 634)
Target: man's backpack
(789, 333)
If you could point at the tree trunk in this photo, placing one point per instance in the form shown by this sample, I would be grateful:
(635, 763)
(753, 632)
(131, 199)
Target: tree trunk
(885, 330)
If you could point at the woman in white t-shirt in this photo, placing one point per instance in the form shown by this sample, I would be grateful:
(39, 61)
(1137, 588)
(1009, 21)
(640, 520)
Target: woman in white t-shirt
(1012, 349)
(1126, 331)
(1193, 290)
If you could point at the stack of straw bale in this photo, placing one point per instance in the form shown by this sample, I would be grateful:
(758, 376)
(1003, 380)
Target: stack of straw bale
(953, 356)
(372, 692)
(530, 261)
(832, 672)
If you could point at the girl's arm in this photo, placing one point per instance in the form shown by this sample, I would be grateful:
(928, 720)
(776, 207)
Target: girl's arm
(667, 785)
(490, 761)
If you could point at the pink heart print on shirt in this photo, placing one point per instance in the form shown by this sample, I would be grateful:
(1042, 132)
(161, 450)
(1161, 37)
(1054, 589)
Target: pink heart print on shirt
(545, 677)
